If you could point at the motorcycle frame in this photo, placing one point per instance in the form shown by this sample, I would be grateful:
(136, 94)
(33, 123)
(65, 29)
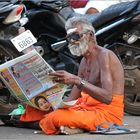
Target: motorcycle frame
(114, 30)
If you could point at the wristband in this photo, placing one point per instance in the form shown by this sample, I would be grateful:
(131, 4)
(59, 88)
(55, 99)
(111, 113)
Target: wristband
(81, 85)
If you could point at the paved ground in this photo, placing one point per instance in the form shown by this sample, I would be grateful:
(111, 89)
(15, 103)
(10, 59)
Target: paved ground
(9, 133)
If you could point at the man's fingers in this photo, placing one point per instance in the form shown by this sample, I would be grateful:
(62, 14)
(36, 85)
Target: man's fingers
(59, 73)
(60, 76)
(59, 79)
(55, 74)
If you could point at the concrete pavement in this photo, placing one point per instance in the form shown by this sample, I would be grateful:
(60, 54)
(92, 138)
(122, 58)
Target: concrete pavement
(12, 133)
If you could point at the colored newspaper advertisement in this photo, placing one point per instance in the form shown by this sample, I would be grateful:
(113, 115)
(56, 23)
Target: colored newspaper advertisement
(27, 78)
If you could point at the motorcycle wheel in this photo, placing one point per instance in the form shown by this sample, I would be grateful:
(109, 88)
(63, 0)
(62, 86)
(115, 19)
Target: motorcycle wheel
(132, 89)
(7, 102)
(130, 57)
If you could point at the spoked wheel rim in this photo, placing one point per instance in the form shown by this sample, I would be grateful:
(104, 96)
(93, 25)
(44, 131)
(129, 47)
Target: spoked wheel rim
(132, 89)
(130, 58)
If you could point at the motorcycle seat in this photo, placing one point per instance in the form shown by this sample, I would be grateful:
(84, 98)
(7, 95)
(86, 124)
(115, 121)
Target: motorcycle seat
(50, 4)
(112, 12)
(3, 4)
(5, 7)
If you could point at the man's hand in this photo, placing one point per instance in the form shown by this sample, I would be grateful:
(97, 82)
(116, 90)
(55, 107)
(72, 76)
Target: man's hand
(65, 77)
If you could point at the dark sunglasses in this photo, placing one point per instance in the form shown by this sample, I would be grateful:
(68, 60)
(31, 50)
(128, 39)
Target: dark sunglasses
(75, 36)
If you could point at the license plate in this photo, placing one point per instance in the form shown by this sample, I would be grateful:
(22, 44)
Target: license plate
(24, 40)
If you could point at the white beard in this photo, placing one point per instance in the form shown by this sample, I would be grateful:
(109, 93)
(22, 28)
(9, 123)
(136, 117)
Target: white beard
(80, 48)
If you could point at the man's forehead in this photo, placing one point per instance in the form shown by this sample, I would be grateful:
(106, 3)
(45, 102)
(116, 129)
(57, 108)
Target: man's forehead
(72, 30)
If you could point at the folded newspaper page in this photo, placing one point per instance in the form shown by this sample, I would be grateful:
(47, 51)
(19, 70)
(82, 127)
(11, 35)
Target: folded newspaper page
(27, 78)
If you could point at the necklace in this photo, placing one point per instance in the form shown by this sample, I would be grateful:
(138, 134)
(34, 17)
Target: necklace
(87, 70)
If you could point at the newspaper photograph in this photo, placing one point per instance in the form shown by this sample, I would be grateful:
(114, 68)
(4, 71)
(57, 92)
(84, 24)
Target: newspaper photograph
(27, 77)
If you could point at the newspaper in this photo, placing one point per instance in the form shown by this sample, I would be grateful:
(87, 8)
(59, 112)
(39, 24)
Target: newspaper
(27, 78)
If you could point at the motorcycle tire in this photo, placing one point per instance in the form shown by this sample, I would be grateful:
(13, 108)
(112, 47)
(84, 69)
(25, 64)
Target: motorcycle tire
(132, 89)
(132, 78)
(7, 101)
(132, 108)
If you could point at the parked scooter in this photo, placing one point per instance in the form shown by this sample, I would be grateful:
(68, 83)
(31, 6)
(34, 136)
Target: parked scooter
(11, 21)
(54, 56)
(117, 28)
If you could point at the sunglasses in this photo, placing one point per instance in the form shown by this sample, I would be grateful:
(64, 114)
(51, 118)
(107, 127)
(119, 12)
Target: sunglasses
(75, 36)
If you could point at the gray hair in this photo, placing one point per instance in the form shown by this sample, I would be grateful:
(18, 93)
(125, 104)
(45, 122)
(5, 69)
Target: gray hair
(72, 22)
(87, 26)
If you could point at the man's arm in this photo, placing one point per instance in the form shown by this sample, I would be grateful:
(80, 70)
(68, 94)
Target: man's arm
(102, 93)
(75, 92)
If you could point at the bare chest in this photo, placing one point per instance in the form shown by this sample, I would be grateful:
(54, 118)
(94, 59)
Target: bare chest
(91, 73)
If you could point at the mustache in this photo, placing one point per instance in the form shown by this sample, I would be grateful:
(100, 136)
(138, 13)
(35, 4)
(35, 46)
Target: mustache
(74, 44)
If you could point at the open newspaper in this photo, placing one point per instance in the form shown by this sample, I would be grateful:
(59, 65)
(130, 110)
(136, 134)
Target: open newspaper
(27, 78)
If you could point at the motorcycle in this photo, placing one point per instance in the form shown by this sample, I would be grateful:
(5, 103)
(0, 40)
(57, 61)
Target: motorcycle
(117, 28)
(8, 52)
(11, 20)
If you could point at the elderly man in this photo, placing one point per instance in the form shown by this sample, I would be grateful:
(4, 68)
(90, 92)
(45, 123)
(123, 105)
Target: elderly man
(99, 86)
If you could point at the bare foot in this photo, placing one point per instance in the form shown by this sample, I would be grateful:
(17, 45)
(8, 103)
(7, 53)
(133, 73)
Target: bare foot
(69, 131)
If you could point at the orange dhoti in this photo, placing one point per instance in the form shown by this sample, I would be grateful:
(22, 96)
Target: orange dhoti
(32, 114)
(86, 114)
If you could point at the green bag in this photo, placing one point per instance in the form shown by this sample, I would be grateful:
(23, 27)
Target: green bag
(18, 111)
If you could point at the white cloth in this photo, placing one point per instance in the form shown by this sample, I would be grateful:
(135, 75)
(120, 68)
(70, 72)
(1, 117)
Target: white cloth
(98, 4)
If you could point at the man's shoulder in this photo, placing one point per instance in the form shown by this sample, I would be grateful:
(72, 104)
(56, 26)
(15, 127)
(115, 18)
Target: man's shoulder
(107, 55)
(103, 52)
(106, 52)
(111, 56)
